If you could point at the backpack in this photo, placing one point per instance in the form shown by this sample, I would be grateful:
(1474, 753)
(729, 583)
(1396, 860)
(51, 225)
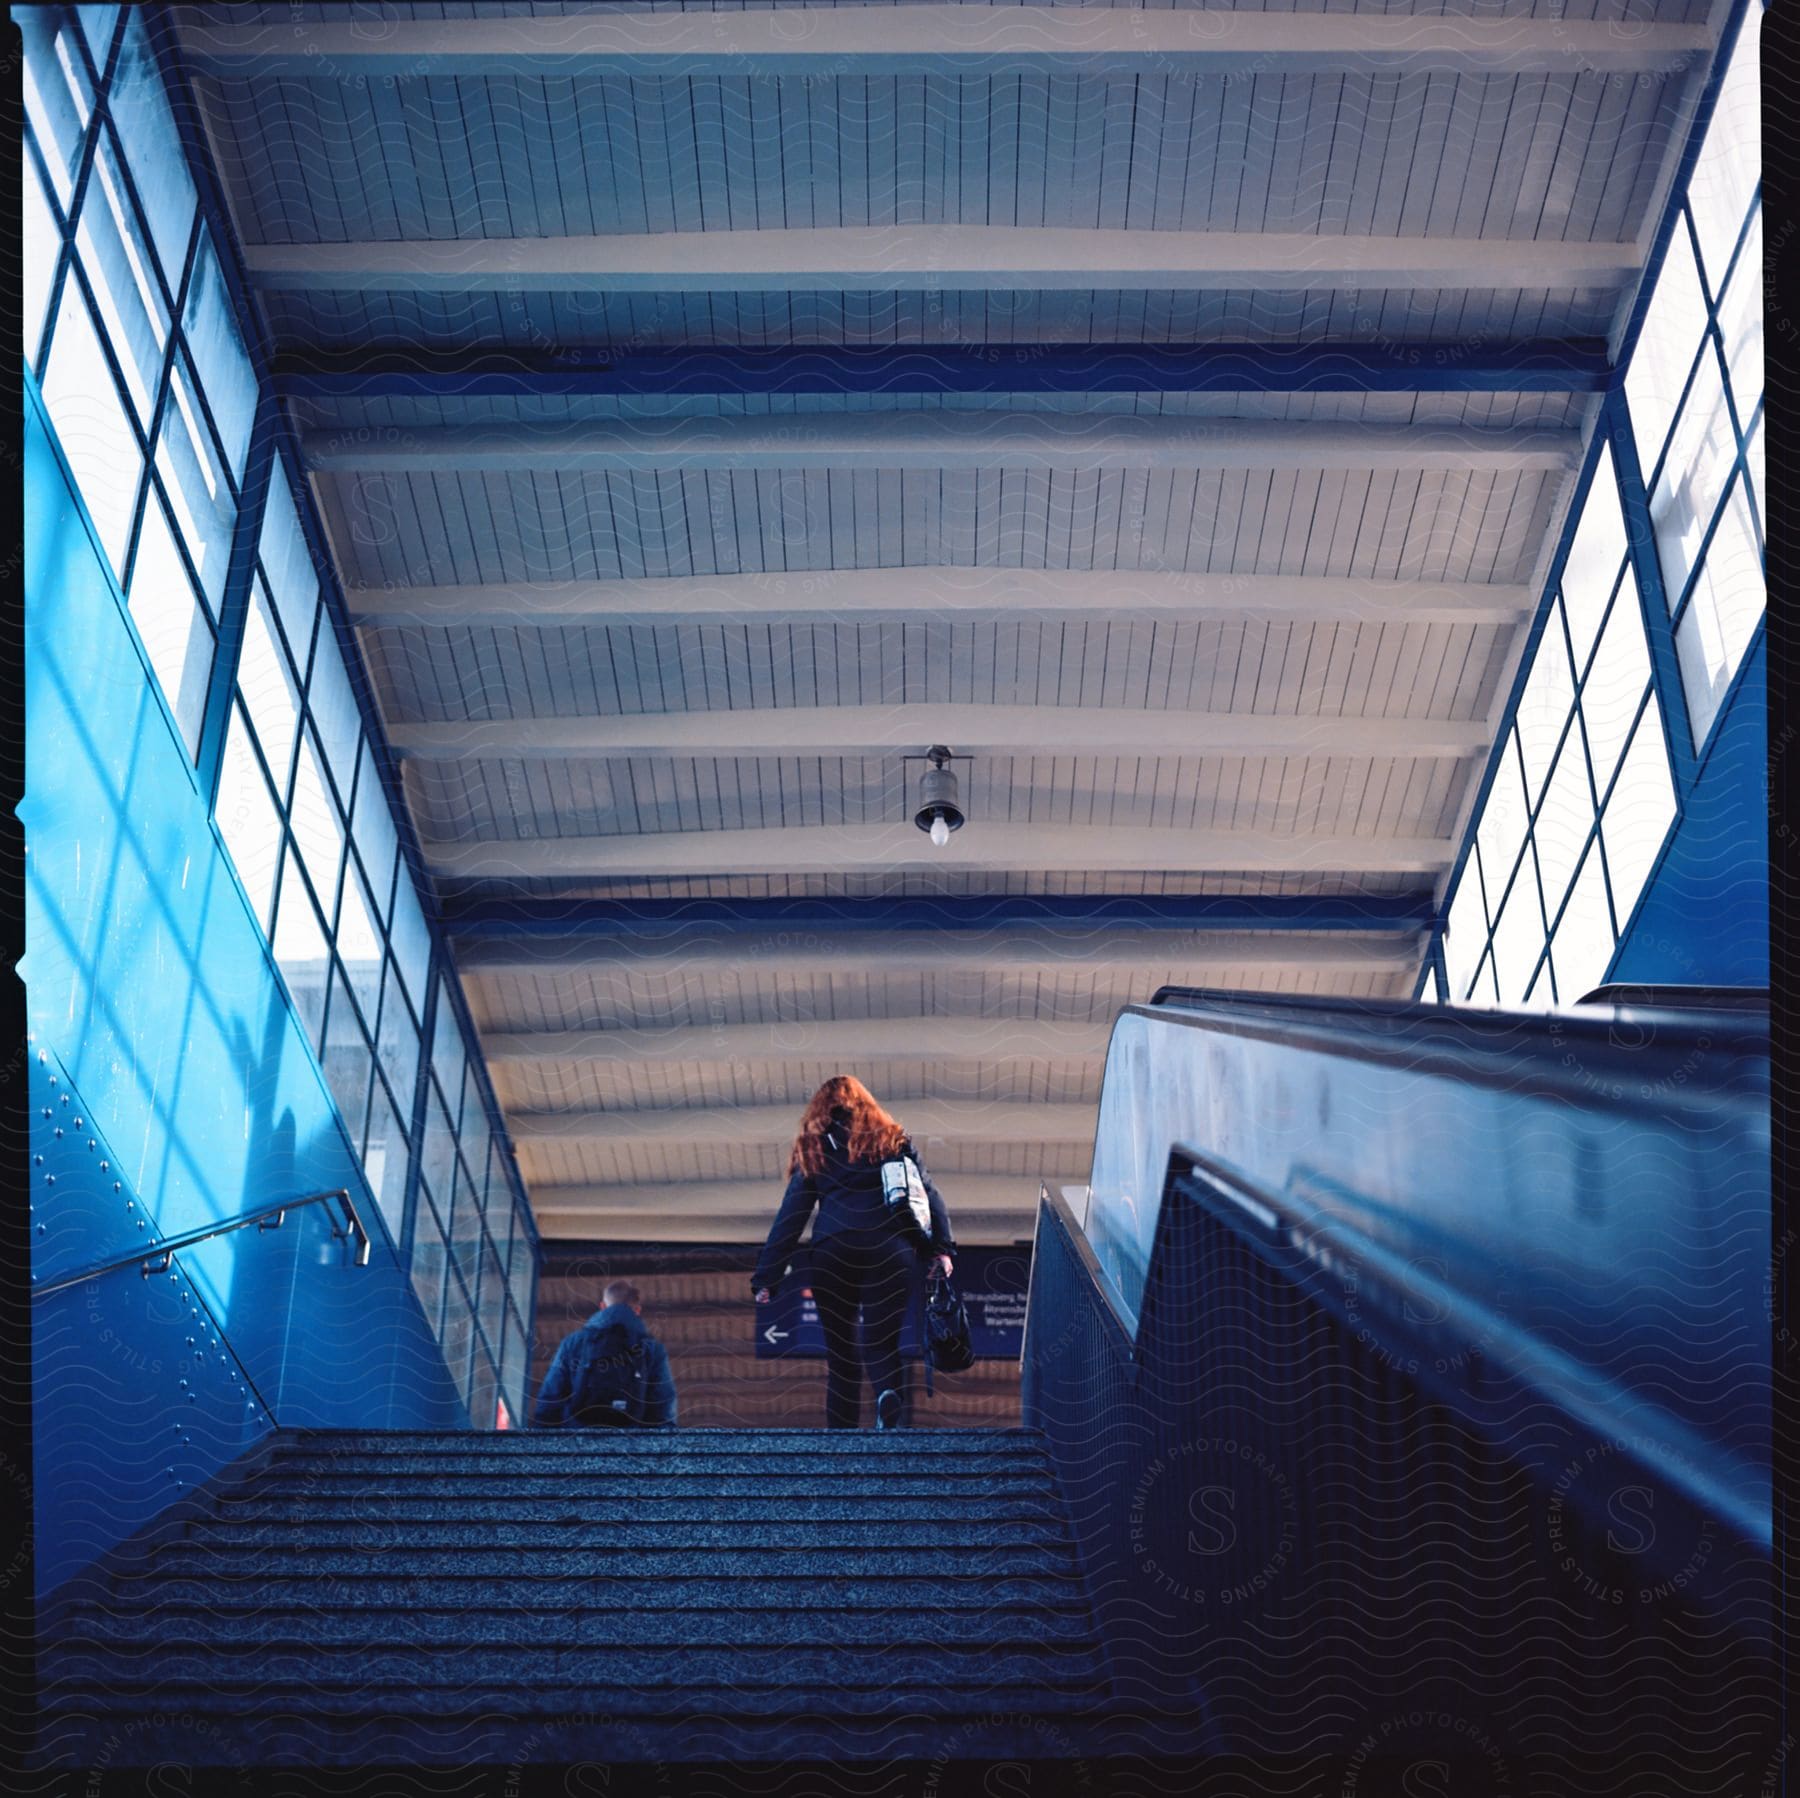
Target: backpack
(902, 1184)
(609, 1383)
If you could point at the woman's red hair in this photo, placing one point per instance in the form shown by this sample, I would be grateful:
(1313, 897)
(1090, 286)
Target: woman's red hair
(870, 1134)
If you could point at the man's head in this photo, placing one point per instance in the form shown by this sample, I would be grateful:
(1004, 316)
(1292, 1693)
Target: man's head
(622, 1292)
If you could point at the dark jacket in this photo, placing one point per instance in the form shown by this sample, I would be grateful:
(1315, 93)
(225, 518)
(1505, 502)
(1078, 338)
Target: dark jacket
(554, 1398)
(849, 1200)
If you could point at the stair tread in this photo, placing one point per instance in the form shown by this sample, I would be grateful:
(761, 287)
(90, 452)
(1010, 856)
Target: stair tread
(347, 1627)
(357, 1666)
(952, 1539)
(451, 1590)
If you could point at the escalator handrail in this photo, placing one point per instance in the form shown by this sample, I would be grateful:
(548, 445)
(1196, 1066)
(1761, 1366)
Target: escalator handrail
(1516, 1050)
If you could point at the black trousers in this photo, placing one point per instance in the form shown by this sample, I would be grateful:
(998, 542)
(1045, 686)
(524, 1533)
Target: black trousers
(878, 1274)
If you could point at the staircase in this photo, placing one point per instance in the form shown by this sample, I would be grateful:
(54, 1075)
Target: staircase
(633, 1598)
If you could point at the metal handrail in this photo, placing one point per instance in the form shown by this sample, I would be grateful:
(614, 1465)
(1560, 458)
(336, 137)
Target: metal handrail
(271, 1217)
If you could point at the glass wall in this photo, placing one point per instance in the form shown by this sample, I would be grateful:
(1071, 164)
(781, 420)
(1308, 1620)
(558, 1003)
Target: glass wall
(1583, 793)
(131, 332)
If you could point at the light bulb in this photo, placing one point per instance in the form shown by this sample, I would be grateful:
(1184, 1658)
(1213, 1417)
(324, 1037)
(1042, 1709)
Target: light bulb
(940, 832)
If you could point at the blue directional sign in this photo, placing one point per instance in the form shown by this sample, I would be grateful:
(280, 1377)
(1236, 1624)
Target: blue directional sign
(992, 1282)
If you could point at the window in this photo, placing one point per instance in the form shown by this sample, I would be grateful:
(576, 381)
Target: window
(1693, 478)
(1518, 934)
(218, 352)
(1730, 161)
(59, 98)
(247, 819)
(193, 476)
(300, 950)
(1545, 706)
(1563, 822)
(1639, 814)
(127, 293)
(134, 331)
(267, 690)
(41, 244)
(84, 404)
(385, 1158)
(176, 633)
(1666, 351)
(152, 145)
(1596, 557)
(1722, 612)
(1583, 947)
(1616, 684)
(1466, 933)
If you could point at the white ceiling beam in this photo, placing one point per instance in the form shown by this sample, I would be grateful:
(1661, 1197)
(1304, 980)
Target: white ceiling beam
(873, 595)
(758, 1198)
(845, 1040)
(985, 847)
(929, 1120)
(957, 258)
(982, 730)
(753, 956)
(939, 440)
(853, 42)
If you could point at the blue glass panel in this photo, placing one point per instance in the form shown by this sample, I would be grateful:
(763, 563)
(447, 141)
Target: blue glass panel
(148, 975)
(140, 109)
(217, 348)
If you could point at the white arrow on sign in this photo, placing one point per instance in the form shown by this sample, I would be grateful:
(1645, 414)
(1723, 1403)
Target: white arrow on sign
(771, 1334)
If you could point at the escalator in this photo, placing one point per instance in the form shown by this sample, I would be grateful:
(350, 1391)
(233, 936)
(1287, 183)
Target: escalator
(1407, 1372)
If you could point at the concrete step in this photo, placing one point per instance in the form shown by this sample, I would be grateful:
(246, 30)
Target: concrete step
(663, 1460)
(398, 1535)
(247, 1685)
(303, 1674)
(611, 1485)
(657, 1441)
(227, 1562)
(636, 1507)
(266, 1626)
(905, 1742)
(738, 1587)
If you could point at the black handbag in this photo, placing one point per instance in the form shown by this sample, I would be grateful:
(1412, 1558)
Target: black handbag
(947, 1344)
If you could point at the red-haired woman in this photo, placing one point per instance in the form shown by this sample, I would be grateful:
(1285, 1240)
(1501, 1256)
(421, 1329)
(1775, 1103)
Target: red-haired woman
(867, 1242)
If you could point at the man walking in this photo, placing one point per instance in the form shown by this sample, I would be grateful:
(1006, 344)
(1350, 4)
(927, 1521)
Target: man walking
(610, 1371)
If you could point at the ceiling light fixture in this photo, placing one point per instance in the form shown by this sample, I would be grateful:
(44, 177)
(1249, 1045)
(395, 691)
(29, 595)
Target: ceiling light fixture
(939, 812)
